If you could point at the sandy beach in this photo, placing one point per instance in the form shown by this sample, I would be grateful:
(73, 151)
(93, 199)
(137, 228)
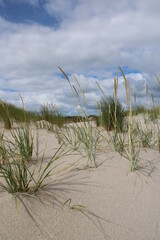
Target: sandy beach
(108, 202)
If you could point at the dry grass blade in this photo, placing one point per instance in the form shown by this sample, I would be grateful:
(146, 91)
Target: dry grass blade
(83, 109)
(84, 133)
(23, 107)
(152, 99)
(135, 98)
(64, 74)
(147, 89)
(157, 78)
(132, 153)
(115, 94)
(126, 86)
(76, 91)
(147, 95)
(72, 88)
(77, 83)
(100, 87)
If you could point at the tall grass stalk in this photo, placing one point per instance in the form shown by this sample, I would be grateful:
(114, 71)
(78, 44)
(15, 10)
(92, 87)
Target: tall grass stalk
(132, 153)
(126, 86)
(135, 100)
(115, 96)
(86, 138)
(147, 96)
(157, 112)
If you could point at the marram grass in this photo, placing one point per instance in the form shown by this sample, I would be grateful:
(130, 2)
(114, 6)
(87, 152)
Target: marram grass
(18, 177)
(85, 135)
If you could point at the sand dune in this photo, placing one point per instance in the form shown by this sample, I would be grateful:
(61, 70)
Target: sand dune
(117, 204)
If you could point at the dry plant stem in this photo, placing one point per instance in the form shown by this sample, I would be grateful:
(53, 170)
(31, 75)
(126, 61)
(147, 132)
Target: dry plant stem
(115, 94)
(135, 99)
(158, 127)
(84, 133)
(23, 108)
(147, 96)
(132, 154)
(157, 78)
(154, 117)
(126, 86)
(129, 133)
(73, 91)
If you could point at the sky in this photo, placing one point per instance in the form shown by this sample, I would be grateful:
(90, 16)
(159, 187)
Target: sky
(86, 38)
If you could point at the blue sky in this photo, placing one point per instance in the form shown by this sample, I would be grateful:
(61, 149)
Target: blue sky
(25, 12)
(88, 38)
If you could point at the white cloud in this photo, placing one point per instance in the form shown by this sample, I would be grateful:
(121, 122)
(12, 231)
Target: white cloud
(93, 39)
(59, 8)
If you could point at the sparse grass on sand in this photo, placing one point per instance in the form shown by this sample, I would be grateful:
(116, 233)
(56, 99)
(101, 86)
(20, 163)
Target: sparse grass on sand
(127, 132)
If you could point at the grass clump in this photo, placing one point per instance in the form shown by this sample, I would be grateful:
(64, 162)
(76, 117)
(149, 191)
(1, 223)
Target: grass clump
(108, 113)
(5, 150)
(85, 135)
(132, 151)
(145, 135)
(23, 142)
(117, 141)
(15, 153)
(51, 114)
(5, 116)
(18, 177)
(138, 110)
(10, 113)
(133, 147)
(89, 140)
(98, 120)
(154, 113)
(82, 138)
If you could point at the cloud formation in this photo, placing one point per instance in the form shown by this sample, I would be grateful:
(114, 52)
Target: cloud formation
(92, 39)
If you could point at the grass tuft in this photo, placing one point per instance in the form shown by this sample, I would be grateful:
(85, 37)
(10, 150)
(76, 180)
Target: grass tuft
(112, 112)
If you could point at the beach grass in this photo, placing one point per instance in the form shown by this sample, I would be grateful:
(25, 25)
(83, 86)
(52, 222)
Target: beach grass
(82, 136)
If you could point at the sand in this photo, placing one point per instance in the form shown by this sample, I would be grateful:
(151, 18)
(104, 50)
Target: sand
(118, 204)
